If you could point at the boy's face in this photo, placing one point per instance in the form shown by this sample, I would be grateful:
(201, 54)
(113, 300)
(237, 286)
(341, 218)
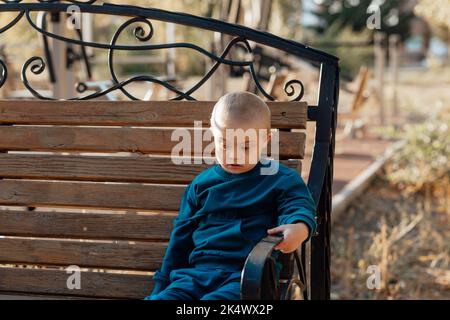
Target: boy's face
(238, 146)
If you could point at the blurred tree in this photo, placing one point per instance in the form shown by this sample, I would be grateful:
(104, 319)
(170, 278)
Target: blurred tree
(351, 58)
(437, 14)
(290, 13)
(395, 15)
(434, 11)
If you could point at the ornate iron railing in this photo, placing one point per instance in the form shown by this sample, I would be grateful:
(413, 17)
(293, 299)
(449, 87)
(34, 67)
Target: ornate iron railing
(323, 114)
(37, 64)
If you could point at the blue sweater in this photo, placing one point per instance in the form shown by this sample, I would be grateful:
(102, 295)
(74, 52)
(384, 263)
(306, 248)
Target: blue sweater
(223, 216)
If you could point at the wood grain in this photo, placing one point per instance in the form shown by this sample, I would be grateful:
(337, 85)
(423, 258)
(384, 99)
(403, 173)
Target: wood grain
(137, 113)
(93, 284)
(87, 225)
(108, 255)
(104, 168)
(86, 194)
(139, 140)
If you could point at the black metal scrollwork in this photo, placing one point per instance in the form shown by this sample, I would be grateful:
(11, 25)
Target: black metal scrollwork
(37, 64)
(4, 74)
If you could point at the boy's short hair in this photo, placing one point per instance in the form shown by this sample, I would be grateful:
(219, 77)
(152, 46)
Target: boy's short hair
(242, 106)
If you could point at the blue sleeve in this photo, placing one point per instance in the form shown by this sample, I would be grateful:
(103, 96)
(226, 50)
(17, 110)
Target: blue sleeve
(295, 203)
(180, 243)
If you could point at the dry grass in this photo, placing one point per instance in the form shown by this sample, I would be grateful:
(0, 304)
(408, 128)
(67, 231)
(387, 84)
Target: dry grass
(401, 224)
(406, 235)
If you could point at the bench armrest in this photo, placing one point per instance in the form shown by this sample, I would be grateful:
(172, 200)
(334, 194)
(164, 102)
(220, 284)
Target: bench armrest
(259, 280)
(252, 278)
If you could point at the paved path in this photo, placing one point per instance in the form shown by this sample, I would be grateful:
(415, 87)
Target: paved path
(353, 156)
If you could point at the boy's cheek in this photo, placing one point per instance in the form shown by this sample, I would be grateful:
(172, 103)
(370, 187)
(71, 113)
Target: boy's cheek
(218, 152)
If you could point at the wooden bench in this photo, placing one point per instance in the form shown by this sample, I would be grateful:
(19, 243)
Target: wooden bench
(105, 192)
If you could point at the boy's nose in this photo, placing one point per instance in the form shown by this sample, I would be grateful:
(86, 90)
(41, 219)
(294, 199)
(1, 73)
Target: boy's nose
(234, 158)
(230, 154)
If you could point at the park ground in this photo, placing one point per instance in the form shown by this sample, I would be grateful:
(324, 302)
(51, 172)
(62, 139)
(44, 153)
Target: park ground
(400, 225)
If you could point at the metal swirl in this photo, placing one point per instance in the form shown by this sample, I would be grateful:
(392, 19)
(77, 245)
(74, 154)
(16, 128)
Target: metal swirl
(37, 67)
(139, 33)
(289, 89)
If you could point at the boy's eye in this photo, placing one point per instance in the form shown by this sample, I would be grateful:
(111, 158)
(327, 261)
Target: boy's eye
(224, 146)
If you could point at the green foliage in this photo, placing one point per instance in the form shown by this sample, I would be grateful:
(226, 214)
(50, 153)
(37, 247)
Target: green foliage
(354, 14)
(425, 158)
(350, 58)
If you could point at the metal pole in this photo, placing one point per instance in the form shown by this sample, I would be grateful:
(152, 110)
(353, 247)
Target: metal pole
(87, 30)
(320, 180)
(64, 86)
(380, 61)
(394, 41)
(448, 47)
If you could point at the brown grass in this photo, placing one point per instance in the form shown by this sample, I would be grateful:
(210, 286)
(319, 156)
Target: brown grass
(405, 234)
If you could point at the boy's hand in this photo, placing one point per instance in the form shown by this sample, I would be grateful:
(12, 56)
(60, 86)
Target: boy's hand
(294, 235)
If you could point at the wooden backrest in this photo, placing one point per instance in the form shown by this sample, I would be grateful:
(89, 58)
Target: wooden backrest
(104, 188)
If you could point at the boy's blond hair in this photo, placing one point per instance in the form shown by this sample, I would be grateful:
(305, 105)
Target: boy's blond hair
(241, 107)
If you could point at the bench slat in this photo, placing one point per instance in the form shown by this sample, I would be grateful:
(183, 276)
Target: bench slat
(86, 225)
(143, 113)
(103, 168)
(148, 141)
(108, 255)
(85, 194)
(93, 284)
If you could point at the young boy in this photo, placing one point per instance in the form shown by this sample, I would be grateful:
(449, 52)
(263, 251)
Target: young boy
(228, 208)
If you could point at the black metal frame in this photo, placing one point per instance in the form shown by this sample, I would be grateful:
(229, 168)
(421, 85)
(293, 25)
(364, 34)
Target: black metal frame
(324, 114)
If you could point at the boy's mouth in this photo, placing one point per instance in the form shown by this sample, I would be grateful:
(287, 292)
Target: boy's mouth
(235, 166)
